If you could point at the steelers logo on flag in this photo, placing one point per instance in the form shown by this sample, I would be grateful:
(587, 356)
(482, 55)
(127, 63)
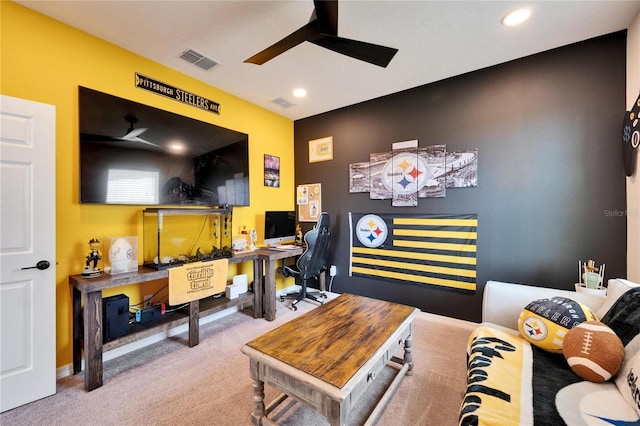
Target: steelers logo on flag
(371, 230)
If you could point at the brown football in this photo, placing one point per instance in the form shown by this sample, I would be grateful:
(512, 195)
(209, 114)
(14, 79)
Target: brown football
(593, 351)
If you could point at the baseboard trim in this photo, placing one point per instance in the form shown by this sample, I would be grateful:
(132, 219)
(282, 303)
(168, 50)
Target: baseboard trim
(67, 370)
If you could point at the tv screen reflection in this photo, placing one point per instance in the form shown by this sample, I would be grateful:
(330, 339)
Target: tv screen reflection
(135, 154)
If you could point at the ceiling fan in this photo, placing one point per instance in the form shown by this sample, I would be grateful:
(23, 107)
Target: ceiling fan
(132, 134)
(322, 30)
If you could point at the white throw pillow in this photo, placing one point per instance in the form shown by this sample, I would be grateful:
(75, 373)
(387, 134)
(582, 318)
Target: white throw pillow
(627, 378)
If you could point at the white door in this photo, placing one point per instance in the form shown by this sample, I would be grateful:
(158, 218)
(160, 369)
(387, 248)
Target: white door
(27, 237)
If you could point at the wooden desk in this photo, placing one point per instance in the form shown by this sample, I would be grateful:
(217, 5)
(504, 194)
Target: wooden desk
(88, 327)
(270, 256)
(327, 357)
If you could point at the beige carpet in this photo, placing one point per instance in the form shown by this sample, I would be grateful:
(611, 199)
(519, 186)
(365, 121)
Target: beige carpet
(169, 383)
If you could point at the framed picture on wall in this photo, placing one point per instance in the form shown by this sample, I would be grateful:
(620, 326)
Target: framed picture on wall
(321, 149)
(271, 170)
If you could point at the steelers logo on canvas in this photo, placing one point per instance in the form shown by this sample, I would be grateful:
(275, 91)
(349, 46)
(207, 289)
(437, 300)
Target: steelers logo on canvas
(371, 231)
(406, 173)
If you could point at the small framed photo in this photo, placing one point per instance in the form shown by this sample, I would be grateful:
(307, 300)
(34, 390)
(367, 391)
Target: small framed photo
(321, 149)
(271, 170)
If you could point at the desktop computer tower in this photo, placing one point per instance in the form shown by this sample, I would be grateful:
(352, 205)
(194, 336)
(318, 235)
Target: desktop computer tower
(115, 317)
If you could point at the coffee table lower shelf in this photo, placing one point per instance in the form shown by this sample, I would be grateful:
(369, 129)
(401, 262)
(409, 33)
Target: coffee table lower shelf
(396, 363)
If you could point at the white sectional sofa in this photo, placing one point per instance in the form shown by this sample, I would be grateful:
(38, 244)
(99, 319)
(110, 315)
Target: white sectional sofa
(511, 381)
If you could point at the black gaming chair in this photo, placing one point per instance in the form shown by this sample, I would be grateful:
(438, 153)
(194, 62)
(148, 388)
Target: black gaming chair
(311, 263)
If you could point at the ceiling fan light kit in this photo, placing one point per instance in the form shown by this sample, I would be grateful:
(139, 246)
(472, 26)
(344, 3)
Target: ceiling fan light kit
(516, 17)
(132, 132)
(322, 30)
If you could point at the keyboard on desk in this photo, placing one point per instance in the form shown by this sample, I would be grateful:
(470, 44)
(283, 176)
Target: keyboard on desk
(286, 246)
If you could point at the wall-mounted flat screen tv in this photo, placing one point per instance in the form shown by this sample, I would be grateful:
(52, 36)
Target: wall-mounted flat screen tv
(136, 154)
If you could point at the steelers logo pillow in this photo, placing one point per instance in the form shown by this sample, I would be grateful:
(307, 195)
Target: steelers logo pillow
(544, 322)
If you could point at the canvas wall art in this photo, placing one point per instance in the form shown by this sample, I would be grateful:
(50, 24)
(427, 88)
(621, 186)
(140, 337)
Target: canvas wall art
(462, 169)
(409, 172)
(359, 177)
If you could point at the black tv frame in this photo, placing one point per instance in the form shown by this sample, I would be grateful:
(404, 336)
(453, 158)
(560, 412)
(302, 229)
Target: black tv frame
(213, 172)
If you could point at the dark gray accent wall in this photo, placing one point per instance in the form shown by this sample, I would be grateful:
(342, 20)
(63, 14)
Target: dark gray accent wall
(551, 185)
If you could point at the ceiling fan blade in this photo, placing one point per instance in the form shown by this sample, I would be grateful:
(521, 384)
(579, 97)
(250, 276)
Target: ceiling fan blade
(144, 141)
(367, 52)
(322, 30)
(134, 133)
(326, 12)
(101, 138)
(97, 138)
(309, 31)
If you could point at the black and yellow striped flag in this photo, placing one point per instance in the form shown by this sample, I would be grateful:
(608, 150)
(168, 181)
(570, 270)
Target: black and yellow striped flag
(435, 250)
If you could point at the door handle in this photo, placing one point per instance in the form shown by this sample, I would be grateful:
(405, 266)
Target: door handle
(42, 265)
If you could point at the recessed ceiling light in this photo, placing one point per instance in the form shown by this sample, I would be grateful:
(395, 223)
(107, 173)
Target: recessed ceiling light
(299, 92)
(516, 17)
(177, 147)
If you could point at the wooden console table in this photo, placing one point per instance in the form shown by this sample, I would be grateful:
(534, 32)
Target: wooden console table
(88, 327)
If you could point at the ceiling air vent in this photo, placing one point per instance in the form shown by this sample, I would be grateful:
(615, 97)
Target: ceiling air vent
(198, 59)
(283, 102)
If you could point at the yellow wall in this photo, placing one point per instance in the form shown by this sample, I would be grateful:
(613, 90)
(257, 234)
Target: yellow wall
(45, 61)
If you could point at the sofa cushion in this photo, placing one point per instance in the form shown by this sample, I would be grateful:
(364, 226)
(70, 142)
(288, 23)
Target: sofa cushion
(502, 302)
(615, 288)
(588, 403)
(498, 379)
(628, 383)
(544, 322)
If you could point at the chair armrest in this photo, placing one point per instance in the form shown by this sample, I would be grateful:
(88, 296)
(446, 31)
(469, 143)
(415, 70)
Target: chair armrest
(502, 302)
(289, 271)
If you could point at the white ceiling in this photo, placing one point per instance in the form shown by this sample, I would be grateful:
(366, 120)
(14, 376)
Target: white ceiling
(436, 40)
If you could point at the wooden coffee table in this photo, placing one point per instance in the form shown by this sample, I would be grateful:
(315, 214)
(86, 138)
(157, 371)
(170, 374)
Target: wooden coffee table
(328, 357)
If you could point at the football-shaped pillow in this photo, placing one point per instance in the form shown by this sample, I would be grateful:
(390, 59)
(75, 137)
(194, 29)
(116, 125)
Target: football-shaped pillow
(593, 351)
(545, 322)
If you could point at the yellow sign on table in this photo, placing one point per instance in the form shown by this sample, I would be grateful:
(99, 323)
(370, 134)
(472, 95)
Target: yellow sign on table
(197, 280)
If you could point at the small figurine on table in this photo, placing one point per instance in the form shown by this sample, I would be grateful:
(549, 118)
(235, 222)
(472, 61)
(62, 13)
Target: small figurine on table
(298, 234)
(254, 240)
(93, 256)
(593, 276)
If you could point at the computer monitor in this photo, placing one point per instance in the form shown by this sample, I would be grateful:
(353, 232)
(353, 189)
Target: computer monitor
(279, 226)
